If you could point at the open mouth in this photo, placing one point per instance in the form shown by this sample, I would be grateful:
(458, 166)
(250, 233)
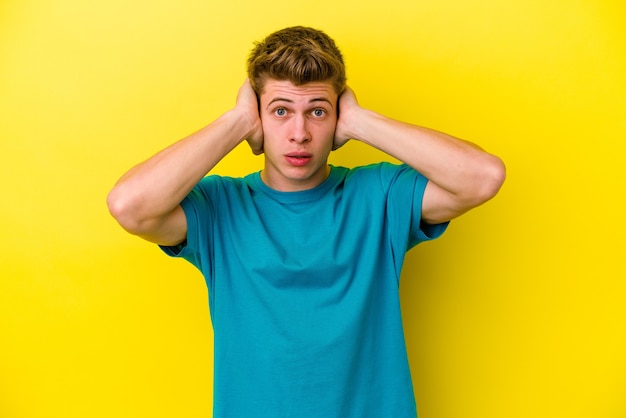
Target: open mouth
(298, 158)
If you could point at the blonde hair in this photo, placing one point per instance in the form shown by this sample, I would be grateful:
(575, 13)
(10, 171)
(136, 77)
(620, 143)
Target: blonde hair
(297, 54)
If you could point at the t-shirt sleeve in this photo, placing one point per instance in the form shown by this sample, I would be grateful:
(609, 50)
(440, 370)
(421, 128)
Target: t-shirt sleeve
(200, 214)
(404, 204)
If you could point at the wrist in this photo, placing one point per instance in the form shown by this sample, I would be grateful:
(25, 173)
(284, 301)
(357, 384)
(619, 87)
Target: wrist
(241, 124)
(360, 124)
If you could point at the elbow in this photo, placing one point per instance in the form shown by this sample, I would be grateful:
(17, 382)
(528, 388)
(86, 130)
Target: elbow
(124, 211)
(492, 176)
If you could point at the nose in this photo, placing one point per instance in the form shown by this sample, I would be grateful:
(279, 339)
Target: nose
(299, 130)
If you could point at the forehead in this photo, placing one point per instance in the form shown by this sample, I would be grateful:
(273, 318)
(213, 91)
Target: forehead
(283, 90)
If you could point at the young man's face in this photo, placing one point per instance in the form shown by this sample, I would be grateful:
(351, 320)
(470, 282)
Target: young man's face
(298, 128)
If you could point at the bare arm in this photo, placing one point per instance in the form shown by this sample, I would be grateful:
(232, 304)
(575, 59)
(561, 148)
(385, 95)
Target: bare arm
(146, 200)
(461, 175)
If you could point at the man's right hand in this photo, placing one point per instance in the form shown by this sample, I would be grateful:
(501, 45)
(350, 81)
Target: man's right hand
(247, 102)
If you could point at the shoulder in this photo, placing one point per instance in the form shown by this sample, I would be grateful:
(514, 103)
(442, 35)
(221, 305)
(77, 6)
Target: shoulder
(211, 193)
(385, 175)
(216, 184)
(225, 182)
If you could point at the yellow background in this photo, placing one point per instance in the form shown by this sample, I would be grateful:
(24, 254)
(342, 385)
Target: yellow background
(518, 311)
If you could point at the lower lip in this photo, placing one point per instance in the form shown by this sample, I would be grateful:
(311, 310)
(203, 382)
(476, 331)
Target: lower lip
(298, 162)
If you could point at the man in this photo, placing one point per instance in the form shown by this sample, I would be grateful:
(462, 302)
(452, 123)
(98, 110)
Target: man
(302, 260)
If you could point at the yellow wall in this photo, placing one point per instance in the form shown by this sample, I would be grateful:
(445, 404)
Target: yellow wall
(518, 311)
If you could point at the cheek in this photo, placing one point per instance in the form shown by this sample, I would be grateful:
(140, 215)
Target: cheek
(265, 121)
(270, 128)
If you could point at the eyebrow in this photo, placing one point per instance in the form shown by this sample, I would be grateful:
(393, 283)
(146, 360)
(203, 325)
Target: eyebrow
(316, 99)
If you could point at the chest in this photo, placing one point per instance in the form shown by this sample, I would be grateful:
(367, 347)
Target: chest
(309, 244)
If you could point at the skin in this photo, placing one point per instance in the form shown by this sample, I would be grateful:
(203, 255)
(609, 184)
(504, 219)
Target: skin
(461, 175)
(297, 127)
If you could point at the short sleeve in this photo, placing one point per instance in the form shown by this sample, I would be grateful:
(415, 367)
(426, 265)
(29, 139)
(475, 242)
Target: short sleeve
(405, 195)
(200, 214)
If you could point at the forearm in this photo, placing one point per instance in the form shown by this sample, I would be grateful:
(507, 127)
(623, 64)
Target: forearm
(154, 188)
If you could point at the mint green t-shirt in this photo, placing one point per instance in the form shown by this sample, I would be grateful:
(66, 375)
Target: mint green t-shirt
(303, 291)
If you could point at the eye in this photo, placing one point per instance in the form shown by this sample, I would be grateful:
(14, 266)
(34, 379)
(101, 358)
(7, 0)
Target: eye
(319, 113)
(281, 111)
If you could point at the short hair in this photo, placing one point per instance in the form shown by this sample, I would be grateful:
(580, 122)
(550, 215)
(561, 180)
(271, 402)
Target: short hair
(297, 54)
